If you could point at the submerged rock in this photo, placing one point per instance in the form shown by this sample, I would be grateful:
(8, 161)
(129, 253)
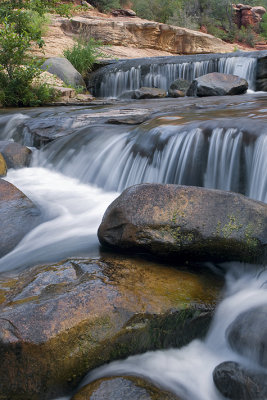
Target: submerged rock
(217, 84)
(247, 334)
(18, 216)
(236, 382)
(186, 222)
(64, 70)
(123, 388)
(57, 322)
(15, 155)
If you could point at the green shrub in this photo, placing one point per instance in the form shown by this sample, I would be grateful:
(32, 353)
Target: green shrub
(246, 35)
(83, 55)
(263, 26)
(105, 5)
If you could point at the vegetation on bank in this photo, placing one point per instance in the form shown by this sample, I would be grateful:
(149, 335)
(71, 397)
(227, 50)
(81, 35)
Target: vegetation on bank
(216, 16)
(23, 23)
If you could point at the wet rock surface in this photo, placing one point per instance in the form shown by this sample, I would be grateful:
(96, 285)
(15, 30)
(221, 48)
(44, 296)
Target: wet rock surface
(144, 93)
(247, 334)
(217, 84)
(15, 155)
(178, 88)
(58, 322)
(235, 382)
(3, 167)
(18, 216)
(186, 222)
(123, 388)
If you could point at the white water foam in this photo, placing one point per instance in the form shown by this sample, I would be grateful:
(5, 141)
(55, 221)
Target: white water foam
(73, 212)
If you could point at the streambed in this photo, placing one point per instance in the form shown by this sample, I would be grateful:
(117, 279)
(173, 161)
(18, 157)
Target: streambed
(216, 143)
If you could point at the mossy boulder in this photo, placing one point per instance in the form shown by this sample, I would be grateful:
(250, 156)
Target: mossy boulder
(183, 222)
(3, 166)
(123, 388)
(57, 322)
(15, 155)
(18, 216)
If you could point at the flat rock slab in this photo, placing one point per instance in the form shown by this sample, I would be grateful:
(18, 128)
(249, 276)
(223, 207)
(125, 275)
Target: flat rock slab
(18, 216)
(217, 84)
(58, 322)
(123, 388)
(186, 222)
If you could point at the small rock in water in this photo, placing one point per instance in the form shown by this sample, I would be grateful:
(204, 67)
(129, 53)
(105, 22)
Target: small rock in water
(15, 155)
(18, 216)
(123, 388)
(238, 383)
(144, 93)
(247, 334)
(178, 88)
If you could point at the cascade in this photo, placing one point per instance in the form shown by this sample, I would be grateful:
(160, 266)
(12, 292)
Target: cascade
(74, 178)
(221, 157)
(117, 81)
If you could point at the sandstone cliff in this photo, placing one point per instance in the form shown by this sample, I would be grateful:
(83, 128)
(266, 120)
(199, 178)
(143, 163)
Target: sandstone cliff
(127, 36)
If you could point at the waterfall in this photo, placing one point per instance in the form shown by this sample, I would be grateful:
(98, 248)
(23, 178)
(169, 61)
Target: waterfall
(117, 81)
(221, 157)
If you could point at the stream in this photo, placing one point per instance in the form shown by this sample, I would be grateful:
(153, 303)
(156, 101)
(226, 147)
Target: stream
(216, 143)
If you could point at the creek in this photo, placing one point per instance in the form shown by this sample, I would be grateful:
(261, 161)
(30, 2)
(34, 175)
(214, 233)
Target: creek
(217, 143)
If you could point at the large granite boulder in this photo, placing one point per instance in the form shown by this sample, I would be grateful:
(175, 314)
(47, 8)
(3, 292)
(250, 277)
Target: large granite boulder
(236, 382)
(15, 155)
(64, 70)
(123, 388)
(58, 322)
(186, 222)
(217, 84)
(247, 334)
(18, 216)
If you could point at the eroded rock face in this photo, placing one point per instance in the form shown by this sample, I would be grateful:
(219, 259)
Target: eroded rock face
(123, 388)
(236, 382)
(247, 334)
(145, 34)
(18, 216)
(15, 155)
(217, 84)
(186, 222)
(57, 322)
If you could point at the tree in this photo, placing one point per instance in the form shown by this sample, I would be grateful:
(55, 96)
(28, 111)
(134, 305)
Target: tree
(21, 27)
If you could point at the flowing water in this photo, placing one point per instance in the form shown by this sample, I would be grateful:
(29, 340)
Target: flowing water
(215, 143)
(117, 80)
